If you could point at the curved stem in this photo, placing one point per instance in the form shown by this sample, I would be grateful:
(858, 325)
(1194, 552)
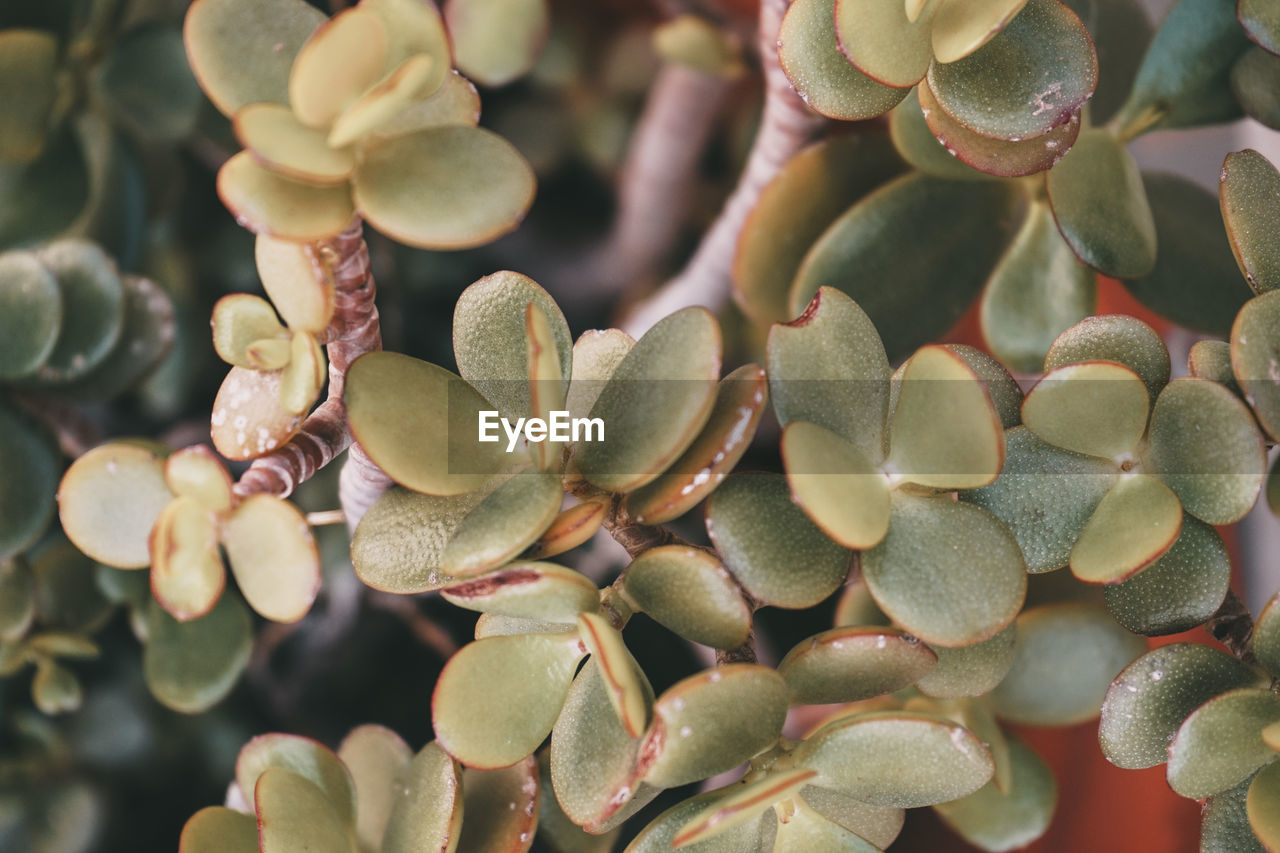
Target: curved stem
(785, 126)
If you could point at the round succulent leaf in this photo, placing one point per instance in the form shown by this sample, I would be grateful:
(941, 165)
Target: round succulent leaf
(146, 81)
(1253, 82)
(659, 835)
(66, 595)
(1006, 394)
(1135, 523)
(55, 689)
(1102, 208)
(416, 76)
(712, 722)
(879, 825)
(1065, 656)
(856, 607)
(305, 758)
(1271, 736)
(1114, 337)
(249, 419)
(1224, 826)
(772, 549)
(341, 59)
(294, 813)
(970, 670)
(1182, 81)
(1255, 349)
(838, 488)
(1217, 479)
(109, 500)
(507, 521)
(829, 367)
(914, 141)
(273, 556)
(897, 758)
(569, 529)
(742, 803)
(377, 759)
(1180, 590)
(491, 339)
(1000, 157)
(428, 808)
(455, 102)
(514, 685)
(1007, 820)
(1209, 359)
(241, 50)
(502, 808)
(63, 644)
(945, 432)
(596, 355)
(1265, 640)
(1098, 408)
(1196, 282)
(239, 321)
(30, 312)
(190, 666)
(28, 84)
(556, 828)
(31, 463)
(93, 308)
(496, 41)
(282, 143)
(1121, 31)
(962, 26)
(689, 591)
(592, 758)
(1250, 197)
(268, 203)
(950, 573)
(809, 51)
(656, 402)
(854, 663)
(187, 575)
(1220, 744)
(218, 829)
(45, 197)
(1148, 701)
(298, 283)
(541, 591)
(1261, 22)
(883, 42)
(447, 187)
(1038, 290)
(735, 414)
(1027, 80)
(304, 375)
(1263, 804)
(878, 240)
(394, 401)
(399, 544)
(17, 599)
(623, 682)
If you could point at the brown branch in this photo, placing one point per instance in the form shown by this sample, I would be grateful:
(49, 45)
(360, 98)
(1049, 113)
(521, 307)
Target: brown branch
(745, 653)
(1232, 625)
(785, 127)
(353, 332)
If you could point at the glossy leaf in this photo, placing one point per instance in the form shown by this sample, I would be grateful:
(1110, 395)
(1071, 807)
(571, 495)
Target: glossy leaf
(93, 303)
(1148, 701)
(241, 50)
(970, 670)
(1135, 523)
(191, 666)
(267, 203)
(656, 402)
(282, 143)
(1011, 819)
(428, 814)
(1114, 337)
(187, 575)
(506, 522)
(1250, 199)
(217, 829)
(1027, 80)
(109, 500)
(950, 573)
(31, 462)
(1218, 479)
(735, 414)
(448, 187)
(811, 57)
(377, 760)
(897, 758)
(273, 556)
(393, 401)
(249, 419)
(1098, 408)
(768, 544)
(1220, 745)
(30, 314)
(690, 592)
(513, 684)
(496, 42)
(852, 664)
(1254, 349)
(1065, 657)
(711, 722)
(882, 42)
(877, 240)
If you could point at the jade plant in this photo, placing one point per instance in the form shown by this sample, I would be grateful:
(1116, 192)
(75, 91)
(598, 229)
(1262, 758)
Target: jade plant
(759, 554)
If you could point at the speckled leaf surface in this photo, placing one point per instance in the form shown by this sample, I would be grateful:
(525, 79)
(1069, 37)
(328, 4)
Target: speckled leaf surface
(837, 487)
(1114, 337)
(1098, 408)
(1265, 641)
(543, 591)
(916, 143)
(971, 670)
(1007, 820)
(399, 544)
(854, 663)
(1253, 82)
(658, 835)
(501, 807)
(1220, 744)
(1136, 522)
(1262, 804)
(883, 42)
(1255, 358)
(1225, 826)
(377, 759)
(1250, 197)
(742, 803)
(507, 521)
(428, 815)
(690, 592)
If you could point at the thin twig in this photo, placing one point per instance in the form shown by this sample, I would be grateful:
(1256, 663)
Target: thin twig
(423, 627)
(785, 126)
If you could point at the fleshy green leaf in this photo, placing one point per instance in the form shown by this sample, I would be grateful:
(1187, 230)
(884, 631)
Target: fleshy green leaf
(514, 685)
(191, 666)
(293, 813)
(299, 284)
(1114, 337)
(970, 670)
(1148, 701)
(1136, 522)
(690, 592)
(1065, 657)
(30, 313)
(305, 758)
(29, 88)
(399, 543)
(428, 813)
(883, 42)
(377, 760)
(31, 462)
(187, 575)
(1225, 826)
(836, 486)
(1253, 82)
(543, 591)
(496, 41)
(217, 829)
(249, 418)
(66, 596)
(1263, 804)
(1255, 348)
(506, 522)
(712, 722)
(285, 145)
(569, 529)
(950, 573)
(93, 303)
(267, 203)
(770, 546)
(657, 837)
(240, 321)
(455, 102)
(1220, 745)
(108, 501)
(1097, 408)
(17, 599)
(1265, 640)
(622, 679)
(596, 355)
(341, 59)
(403, 86)
(897, 758)
(502, 808)
(852, 664)
(1007, 820)
(148, 84)
(1261, 21)
(1209, 359)
(877, 824)
(743, 802)
(916, 143)
(1250, 198)
(273, 556)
